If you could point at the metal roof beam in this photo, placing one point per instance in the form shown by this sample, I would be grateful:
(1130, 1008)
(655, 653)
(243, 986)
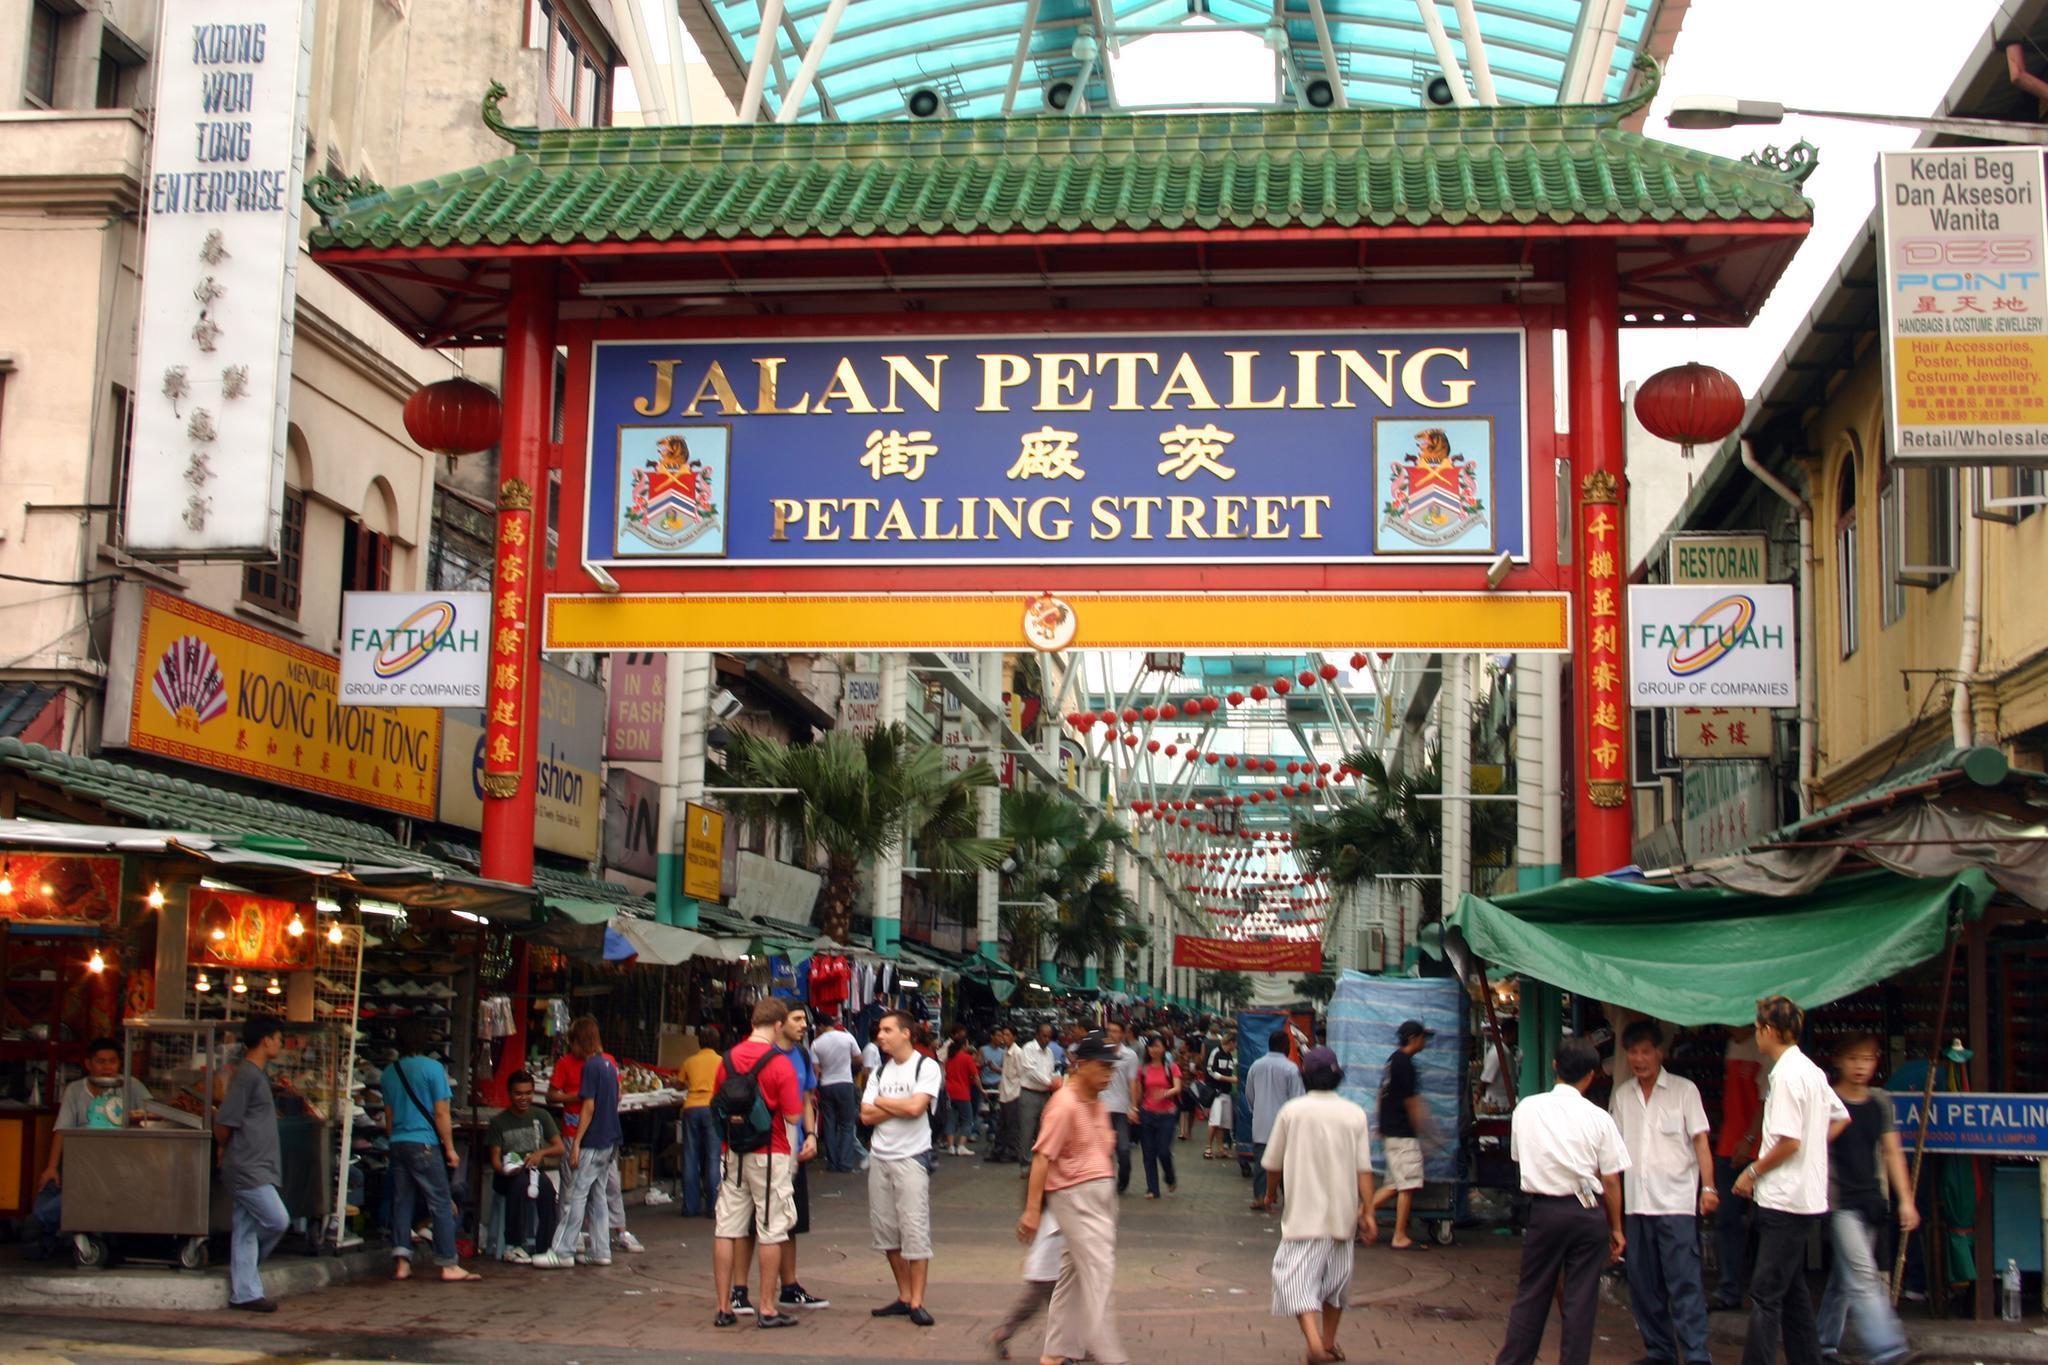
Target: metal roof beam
(1475, 51)
(1331, 72)
(792, 101)
(1446, 59)
(1023, 55)
(757, 70)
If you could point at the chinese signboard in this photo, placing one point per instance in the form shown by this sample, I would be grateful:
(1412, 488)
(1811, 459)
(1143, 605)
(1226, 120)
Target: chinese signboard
(219, 278)
(633, 721)
(1977, 1125)
(1712, 645)
(61, 888)
(228, 929)
(1197, 448)
(703, 852)
(1600, 548)
(1247, 955)
(505, 728)
(414, 648)
(191, 684)
(1965, 304)
(1726, 806)
(1720, 731)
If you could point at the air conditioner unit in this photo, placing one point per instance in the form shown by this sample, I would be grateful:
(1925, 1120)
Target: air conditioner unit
(1372, 948)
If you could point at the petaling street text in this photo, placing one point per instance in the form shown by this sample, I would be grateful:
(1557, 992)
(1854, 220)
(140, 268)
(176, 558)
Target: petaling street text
(1050, 518)
(1431, 377)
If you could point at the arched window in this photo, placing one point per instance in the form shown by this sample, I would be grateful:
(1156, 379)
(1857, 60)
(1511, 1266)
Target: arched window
(1847, 600)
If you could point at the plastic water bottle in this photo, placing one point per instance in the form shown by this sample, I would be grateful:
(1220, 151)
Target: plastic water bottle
(2009, 1292)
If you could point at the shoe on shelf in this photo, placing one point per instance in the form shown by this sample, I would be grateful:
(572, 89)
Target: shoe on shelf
(630, 1244)
(920, 1317)
(796, 1296)
(518, 1255)
(739, 1302)
(552, 1260)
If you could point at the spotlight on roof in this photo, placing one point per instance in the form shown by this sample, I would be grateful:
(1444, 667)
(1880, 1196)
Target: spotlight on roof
(1059, 94)
(924, 102)
(1437, 93)
(1321, 94)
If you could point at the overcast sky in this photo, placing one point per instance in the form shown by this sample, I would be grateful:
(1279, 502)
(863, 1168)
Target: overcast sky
(1866, 56)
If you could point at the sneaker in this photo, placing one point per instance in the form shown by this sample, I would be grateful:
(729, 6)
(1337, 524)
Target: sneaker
(629, 1243)
(897, 1309)
(775, 1320)
(796, 1296)
(592, 1260)
(723, 1319)
(518, 1255)
(739, 1301)
(552, 1260)
(920, 1317)
(254, 1306)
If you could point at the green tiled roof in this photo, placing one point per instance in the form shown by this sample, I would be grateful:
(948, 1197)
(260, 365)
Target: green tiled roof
(1334, 168)
(160, 801)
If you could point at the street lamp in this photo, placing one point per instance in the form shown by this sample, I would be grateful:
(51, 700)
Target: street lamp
(1710, 112)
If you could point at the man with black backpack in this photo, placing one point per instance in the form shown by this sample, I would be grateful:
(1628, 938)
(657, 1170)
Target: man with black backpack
(898, 1102)
(755, 1103)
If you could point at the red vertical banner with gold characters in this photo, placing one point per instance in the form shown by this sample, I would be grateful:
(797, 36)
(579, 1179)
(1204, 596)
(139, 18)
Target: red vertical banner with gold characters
(506, 698)
(1605, 760)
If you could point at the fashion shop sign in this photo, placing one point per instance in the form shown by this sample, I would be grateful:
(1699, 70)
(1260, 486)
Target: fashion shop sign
(1979, 1125)
(1196, 448)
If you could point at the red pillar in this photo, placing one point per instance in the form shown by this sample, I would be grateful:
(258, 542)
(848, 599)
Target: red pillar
(512, 703)
(1600, 548)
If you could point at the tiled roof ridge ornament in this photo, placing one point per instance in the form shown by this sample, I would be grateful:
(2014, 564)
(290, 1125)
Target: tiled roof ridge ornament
(1650, 76)
(1794, 163)
(525, 139)
(330, 196)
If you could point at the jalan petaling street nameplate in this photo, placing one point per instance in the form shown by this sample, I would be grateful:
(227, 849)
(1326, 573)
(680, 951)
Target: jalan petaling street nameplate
(1246, 447)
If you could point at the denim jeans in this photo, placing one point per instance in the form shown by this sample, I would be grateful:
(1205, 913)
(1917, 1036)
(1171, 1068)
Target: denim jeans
(1667, 1287)
(260, 1221)
(419, 1173)
(700, 1162)
(1779, 1307)
(1156, 1134)
(1120, 1124)
(49, 1215)
(1857, 1291)
(839, 1115)
(586, 1199)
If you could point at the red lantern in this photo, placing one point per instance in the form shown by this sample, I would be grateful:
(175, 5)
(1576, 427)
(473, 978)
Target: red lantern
(454, 417)
(1151, 713)
(1130, 716)
(1690, 405)
(1131, 741)
(1171, 750)
(1107, 717)
(1258, 691)
(1358, 661)
(1330, 672)
(1209, 705)
(1210, 759)
(1230, 760)
(1282, 687)
(1168, 711)
(1308, 678)
(1151, 746)
(1237, 699)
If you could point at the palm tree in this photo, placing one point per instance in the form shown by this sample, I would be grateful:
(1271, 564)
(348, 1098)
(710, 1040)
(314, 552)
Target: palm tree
(1317, 987)
(1059, 883)
(1396, 830)
(856, 799)
(1233, 989)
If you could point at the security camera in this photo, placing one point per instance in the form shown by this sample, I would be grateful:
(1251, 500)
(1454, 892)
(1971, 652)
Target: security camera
(724, 705)
(605, 582)
(1497, 572)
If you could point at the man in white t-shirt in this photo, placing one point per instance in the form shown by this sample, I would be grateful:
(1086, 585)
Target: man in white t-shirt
(1789, 1183)
(838, 1097)
(1319, 1156)
(1668, 1188)
(897, 1105)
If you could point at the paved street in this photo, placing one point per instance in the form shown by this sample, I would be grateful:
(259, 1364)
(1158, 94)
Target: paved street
(1192, 1286)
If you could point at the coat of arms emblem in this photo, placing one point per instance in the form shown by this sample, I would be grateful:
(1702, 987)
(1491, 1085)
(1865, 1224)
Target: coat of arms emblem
(673, 501)
(1433, 495)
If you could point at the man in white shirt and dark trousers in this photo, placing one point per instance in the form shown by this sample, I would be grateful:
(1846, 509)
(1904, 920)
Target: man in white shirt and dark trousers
(1119, 1098)
(838, 1101)
(1320, 1157)
(1036, 1066)
(1571, 1158)
(897, 1104)
(1668, 1188)
(1789, 1183)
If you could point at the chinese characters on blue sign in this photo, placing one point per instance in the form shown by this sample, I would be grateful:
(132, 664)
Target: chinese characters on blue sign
(1981, 1125)
(1048, 449)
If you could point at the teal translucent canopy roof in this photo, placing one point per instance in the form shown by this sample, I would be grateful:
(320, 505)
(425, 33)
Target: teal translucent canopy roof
(987, 58)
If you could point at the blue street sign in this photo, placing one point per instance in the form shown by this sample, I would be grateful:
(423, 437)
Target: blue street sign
(1977, 1125)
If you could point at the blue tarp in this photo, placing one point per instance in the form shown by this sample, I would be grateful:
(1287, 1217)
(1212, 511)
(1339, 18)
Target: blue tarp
(1363, 1017)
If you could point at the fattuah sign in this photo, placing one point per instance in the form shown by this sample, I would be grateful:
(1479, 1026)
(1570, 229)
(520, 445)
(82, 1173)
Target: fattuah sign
(1711, 644)
(1965, 304)
(1192, 448)
(414, 648)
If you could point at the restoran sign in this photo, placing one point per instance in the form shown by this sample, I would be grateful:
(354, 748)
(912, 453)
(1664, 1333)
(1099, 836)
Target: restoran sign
(1718, 644)
(1380, 445)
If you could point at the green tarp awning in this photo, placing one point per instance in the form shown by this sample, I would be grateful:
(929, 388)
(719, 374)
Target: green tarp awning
(1707, 956)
